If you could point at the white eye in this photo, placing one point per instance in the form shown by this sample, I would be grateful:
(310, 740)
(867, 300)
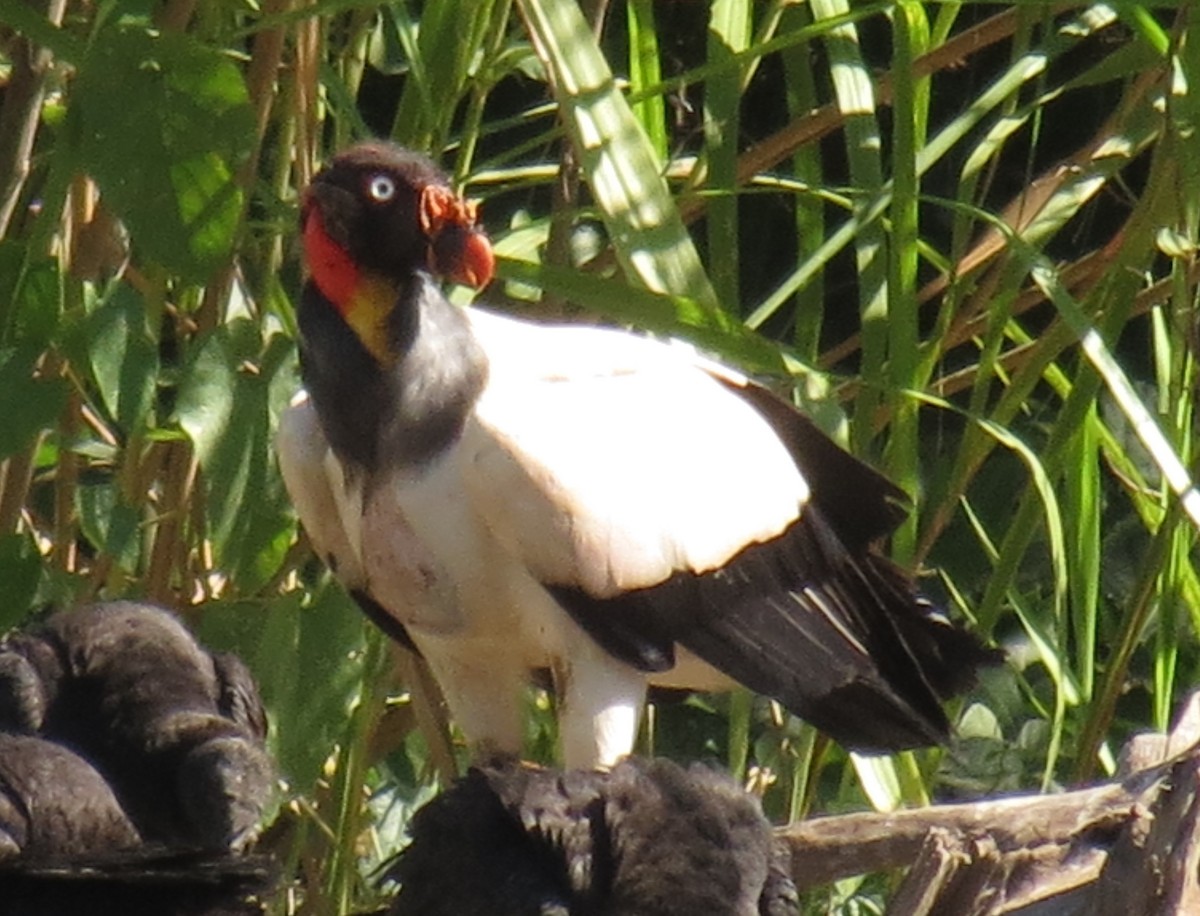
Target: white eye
(382, 188)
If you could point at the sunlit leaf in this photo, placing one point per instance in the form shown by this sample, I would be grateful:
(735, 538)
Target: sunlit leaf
(616, 156)
(225, 407)
(166, 147)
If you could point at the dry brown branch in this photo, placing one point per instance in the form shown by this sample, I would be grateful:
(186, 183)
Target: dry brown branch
(1128, 846)
(828, 848)
(1152, 868)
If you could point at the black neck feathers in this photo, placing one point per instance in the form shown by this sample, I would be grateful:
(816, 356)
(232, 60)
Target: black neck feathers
(404, 414)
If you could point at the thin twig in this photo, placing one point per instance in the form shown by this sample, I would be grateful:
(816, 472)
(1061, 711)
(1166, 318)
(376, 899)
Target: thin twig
(22, 111)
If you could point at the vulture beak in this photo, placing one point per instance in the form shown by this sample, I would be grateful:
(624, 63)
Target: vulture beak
(458, 248)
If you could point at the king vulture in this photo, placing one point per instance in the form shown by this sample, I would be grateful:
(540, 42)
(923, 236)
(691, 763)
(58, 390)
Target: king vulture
(509, 496)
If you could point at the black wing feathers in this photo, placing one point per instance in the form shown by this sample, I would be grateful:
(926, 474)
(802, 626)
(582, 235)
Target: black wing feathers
(859, 503)
(815, 618)
(830, 636)
(631, 627)
(834, 639)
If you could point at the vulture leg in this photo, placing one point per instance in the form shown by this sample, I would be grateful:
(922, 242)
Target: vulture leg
(601, 702)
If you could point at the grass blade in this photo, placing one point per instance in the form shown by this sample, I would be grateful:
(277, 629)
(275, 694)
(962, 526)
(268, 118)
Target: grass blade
(615, 155)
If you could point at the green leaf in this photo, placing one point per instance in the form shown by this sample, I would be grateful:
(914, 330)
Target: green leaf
(728, 35)
(29, 404)
(440, 54)
(880, 780)
(12, 258)
(645, 70)
(165, 149)
(30, 297)
(111, 525)
(39, 303)
(124, 358)
(20, 573)
(26, 19)
(977, 721)
(207, 394)
(228, 399)
(392, 35)
(223, 407)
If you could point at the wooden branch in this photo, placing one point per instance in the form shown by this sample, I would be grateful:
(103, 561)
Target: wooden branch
(1060, 873)
(828, 848)
(949, 866)
(1152, 868)
(1128, 846)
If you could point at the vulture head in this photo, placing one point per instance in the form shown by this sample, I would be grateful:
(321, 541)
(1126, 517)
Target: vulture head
(379, 209)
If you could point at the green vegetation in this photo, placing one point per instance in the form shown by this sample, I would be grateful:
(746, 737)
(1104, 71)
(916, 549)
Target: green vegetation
(964, 233)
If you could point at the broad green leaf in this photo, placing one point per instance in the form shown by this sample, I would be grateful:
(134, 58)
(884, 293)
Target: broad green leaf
(220, 412)
(30, 297)
(207, 394)
(28, 20)
(109, 524)
(165, 149)
(20, 573)
(29, 404)
(223, 408)
(229, 399)
(124, 358)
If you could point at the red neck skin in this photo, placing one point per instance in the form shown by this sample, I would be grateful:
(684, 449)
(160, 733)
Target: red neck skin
(472, 263)
(331, 268)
